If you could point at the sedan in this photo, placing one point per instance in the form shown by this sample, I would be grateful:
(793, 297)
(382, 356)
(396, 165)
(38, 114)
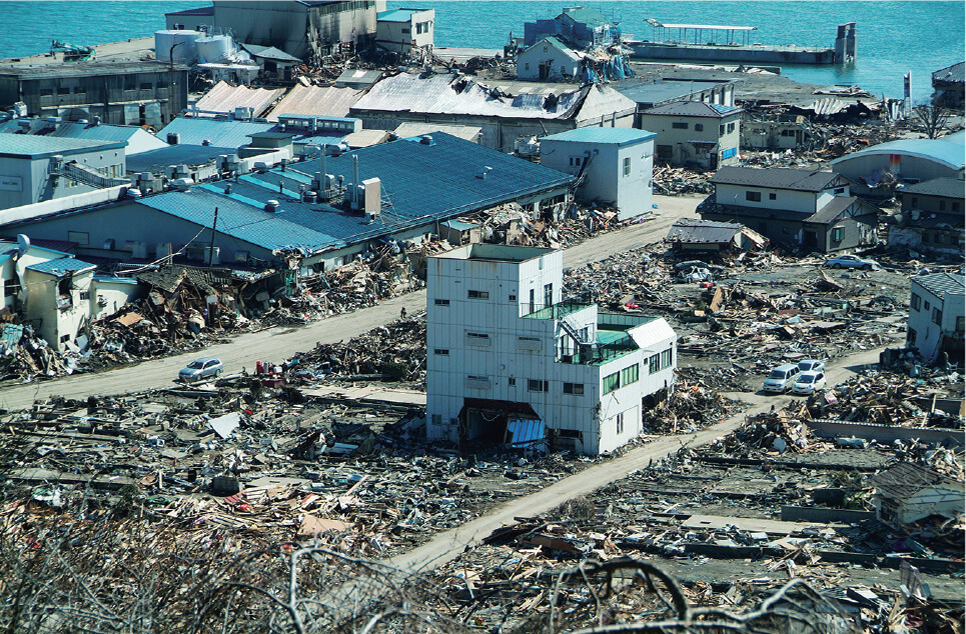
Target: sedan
(811, 365)
(201, 369)
(808, 382)
(852, 262)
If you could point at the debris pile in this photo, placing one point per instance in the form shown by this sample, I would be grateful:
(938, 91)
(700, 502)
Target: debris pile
(690, 406)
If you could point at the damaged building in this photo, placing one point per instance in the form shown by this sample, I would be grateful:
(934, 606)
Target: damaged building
(909, 492)
(796, 207)
(287, 218)
(931, 217)
(936, 316)
(509, 360)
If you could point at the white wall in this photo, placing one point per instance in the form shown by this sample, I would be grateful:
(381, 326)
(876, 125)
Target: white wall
(928, 333)
(560, 66)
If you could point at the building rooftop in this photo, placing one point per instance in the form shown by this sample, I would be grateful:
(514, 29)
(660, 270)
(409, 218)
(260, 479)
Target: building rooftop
(195, 130)
(33, 146)
(659, 91)
(941, 283)
(946, 187)
(60, 266)
(198, 11)
(270, 52)
(85, 69)
(949, 153)
(494, 253)
(951, 74)
(603, 136)
(583, 15)
(136, 138)
(155, 161)
(777, 178)
(692, 230)
(906, 479)
(694, 109)
(224, 98)
(398, 15)
(322, 101)
(554, 42)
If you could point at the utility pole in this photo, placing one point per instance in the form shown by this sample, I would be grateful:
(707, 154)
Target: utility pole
(211, 249)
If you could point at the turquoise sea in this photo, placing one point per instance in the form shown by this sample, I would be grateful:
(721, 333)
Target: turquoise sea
(894, 38)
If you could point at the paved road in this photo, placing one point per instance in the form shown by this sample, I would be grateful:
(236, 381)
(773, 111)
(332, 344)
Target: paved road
(448, 545)
(278, 344)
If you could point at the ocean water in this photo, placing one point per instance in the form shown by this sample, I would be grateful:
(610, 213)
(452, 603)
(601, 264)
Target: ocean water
(894, 38)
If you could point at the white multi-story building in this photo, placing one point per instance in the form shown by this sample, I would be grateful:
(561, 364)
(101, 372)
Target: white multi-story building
(508, 360)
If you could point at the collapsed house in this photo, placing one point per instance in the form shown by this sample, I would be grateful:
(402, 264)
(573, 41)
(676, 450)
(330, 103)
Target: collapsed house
(689, 235)
(909, 492)
(931, 217)
(510, 360)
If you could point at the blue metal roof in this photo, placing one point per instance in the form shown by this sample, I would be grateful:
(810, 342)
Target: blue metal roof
(33, 146)
(423, 183)
(156, 160)
(949, 153)
(59, 266)
(194, 130)
(399, 15)
(610, 136)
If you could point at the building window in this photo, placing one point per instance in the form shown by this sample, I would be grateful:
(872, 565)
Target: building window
(513, 298)
(536, 385)
(666, 358)
(406, 31)
(925, 305)
(911, 336)
(511, 382)
(548, 294)
(955, 206)
(526, 66)
(753, 196)
(837, 234)
(627, 166)
(46, 92)
(679, 125)
(441, 351)
(478, 294)
(478, 337)
(654, 364)
(620, 423)
(630, 374)
(937, 316)
(573, 388)
(731, 127)
(772, 196)
(11, 287)
(721, 129)
(146, 85)
(576, 161)
(838, 190)
(441, 302)
(130, 82)
(699, 127)
(942, 205)
(64, 338)
(612, 382)
(437, 419)
(915, 201)
(85, 295)
(915, 302)
(63, 91)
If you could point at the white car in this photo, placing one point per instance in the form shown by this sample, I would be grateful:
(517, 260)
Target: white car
(852, 262)
(811, 365)
(781, 378)
(808, 382)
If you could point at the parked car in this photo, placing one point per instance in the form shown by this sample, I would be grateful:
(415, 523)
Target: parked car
(811, 365)
(198, 369)
(781, 378)
(852, 262)
(808, 382)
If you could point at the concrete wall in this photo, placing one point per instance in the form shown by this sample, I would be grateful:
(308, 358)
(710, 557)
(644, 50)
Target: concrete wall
(109, 295)
(52, 320)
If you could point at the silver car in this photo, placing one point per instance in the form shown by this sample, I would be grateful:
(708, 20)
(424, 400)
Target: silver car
(852, 262)
(199, 369)
(808, 382)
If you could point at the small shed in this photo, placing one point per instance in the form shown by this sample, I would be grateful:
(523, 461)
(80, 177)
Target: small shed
(457, 232)
(909, 492)
(707, 236)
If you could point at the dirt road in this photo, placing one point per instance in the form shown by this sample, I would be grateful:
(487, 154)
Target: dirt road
(278, 344)
(448, 545)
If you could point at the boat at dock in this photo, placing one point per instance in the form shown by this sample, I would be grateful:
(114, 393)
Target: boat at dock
(699, 42)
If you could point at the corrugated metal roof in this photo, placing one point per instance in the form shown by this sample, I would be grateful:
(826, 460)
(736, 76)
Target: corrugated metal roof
(156, 160)
(703, 231)
(454, 189)
(608, 136)
(465, 132)
(137, 139)
(327, 101)
(399, 15)
(223, 97)
(60, 266)
(30, 145)
(776, 178)
(694, 109)
(452, 95)
(941, 283)
(194, 130)
(948, 153)
(365, 138)
(947, 187)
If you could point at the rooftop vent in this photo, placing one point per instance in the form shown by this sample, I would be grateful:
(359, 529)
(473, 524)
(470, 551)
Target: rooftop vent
(271, 206)
(174, 138)
(426, 139)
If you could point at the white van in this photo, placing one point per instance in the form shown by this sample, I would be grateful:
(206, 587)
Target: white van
(781, 378)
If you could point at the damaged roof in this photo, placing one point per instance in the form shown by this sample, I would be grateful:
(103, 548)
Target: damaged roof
(223, 97)
(704, 231)
(60, 266)
(941, 283)
(951, 74)
(327, 101)
(461, 95)
(906, 479)
(778, 178)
